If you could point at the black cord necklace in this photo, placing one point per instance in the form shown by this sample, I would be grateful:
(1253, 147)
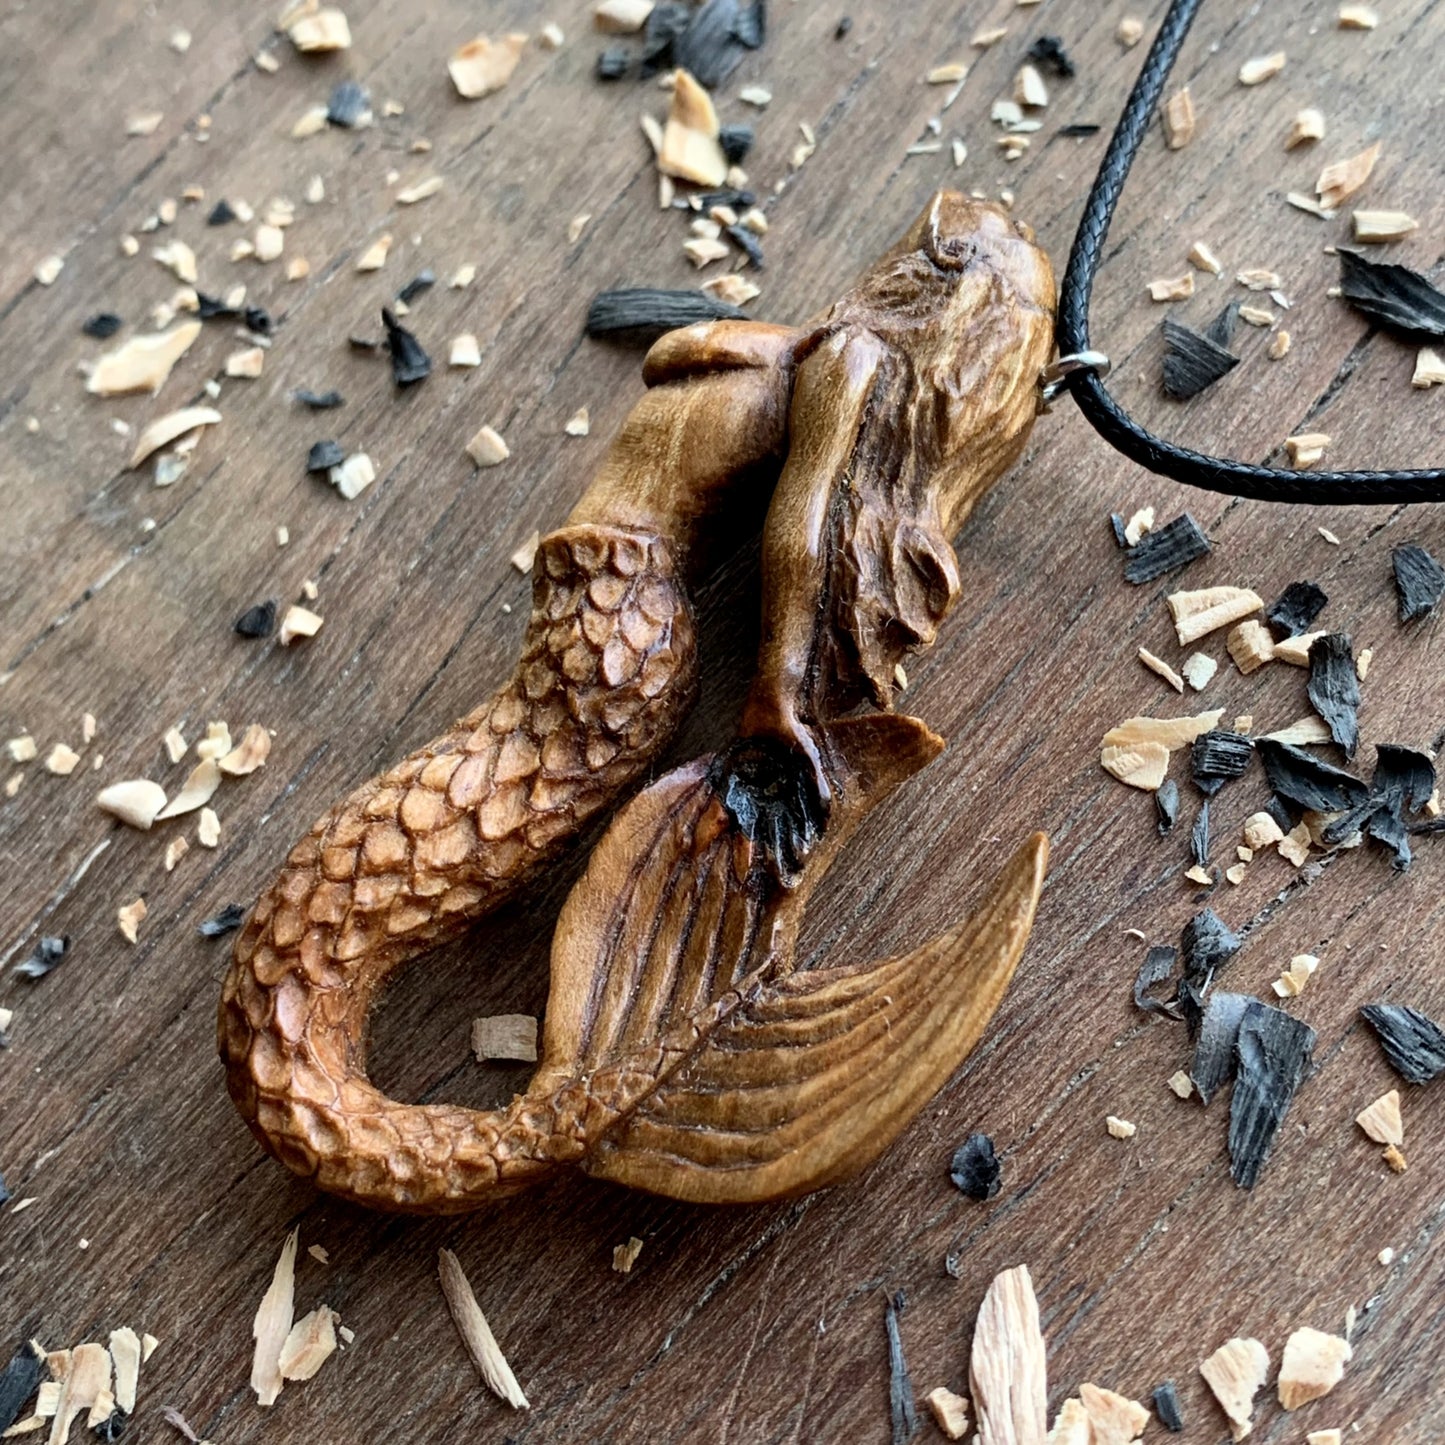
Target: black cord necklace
(1080, 370)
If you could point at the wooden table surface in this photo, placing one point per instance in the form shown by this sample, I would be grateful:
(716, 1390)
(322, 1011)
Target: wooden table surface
(117, 598)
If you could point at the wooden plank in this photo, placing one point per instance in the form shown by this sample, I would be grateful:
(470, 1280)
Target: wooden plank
(760, 1324)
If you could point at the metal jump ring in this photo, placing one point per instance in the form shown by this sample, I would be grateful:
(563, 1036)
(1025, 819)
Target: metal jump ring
(1054, 378)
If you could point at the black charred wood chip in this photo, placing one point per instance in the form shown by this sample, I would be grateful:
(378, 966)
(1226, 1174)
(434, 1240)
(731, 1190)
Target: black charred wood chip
(1296, 607)
(1413, 1042)
(1404, 782)
(1117, 525)
(1049, 53)
(902, 1414)
(648, 312)
(703, 201)
(736, 141)
(1308, 781)
(422, 281)
(1158, 967)
(842, 27)
(319, 400)
(257, 319)
(612, 63)
(222, 213)
(975, 1168)
(1166, 804)
(1279, 809)
(716, 37)
(1392, 296)
(1419, 581)
(18, 1382)
(260, 620)
(1207, 944)
(751, 26)
(1166, 548)
(1334, 688)
(4, 1191)
(1166, 1407)
(1213, 1064)
(230, 918)
(349, 105)
(1078, 128)
(112, 1428)
(1199, 836)
(46, 954)
(211, 308)
(409, 361)
(1193, 360)
(323, 456)
(748, 243)
(102, 325)
(1217, 756)
(665, 22)
(1272, 1052)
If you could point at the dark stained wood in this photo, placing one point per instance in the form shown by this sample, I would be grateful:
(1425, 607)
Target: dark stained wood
(735, 1325)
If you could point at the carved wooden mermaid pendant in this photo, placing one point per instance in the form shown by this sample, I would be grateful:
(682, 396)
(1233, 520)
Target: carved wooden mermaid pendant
(682, 1051)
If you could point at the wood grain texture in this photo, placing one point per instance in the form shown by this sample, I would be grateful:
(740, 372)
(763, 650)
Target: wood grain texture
(760, 1324)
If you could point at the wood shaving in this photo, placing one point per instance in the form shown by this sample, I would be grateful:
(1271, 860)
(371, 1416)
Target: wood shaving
(320, 30)
(1308, 203)
(476, 1334)
(1140, 765)
(1178, 115)
(1170, 733)
(1197, 669)
(1306, 448)
(1342, 179)
(61, 760)
(1363, 661)
(137, 802)
(146, 123)
(550, 37)
(1260, 316)
(506, 1036)
(298, 622)
(1201, 256)
(1374, 227)
(1393, 1157)
(249, 754)
(353, 476)
(1029, 88)
(1278, 346)
(621, 17)
(984, 39)
(312, 122)
(1256, 278)
(1313, 1364)
(374, 257)
(216, 743)
(247, 363)
(208, 829)
(1250, 644)
(1296, 650)
(578, 424)
(1358, 17)
(1329, 536)
(1180, 1083)
(1291, 983)
(950, 73)
(1113, 1419)
(1234, 1372)
(165, 429)
(179, 258)
(624, 1256)
(198, 790)
(420, 191)
(1071, 1425)
(465, 351)
(1382, 1120)
(1294, 847)
(143, 363)
(1308, 125)
(690, 148)
(1324, 1437)
(487, 449)
(1262, 831)
(129, 919)
(1177, 288)
(950, 1412)
(176, 849)
(125, 1354)
(1007, 1367)
(756, 95)
(272, 1324)
(1429, 369)
(1120, 1128)
(1197, 614)
(576, 226)
(1261, 68)
(1158, 665)
(85, 1380)
(309, 1344)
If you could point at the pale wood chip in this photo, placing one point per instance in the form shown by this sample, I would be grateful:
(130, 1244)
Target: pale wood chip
(1007, 1366)
(352, 477)
(199, 788)
(1029, 88)
(550, 37)
(309, 1344)
(1294, 847)
(311, 122)
(1257, 278)
(578, 424)
(1235, 873)
(1260, 68)
(462, 277)
(129, 919)
(624, 1256)
(621, 17)
(487, 449)
(690, 149)
(136, 802)
(1197, 669)
(1140, 523)
(22, 749)
(208, 829)
(1429, 369)
(732, 287)
(1278, 346)
(1382, 1120)
(1120, 1128)
(1325, 1437)
(1374, 227)
(1308, 125)
(984, 39)
(756, 95)
(950, 1412)
(505, 1036)
(61, 760)
(1170, 733)
(249, 754)
(1158, 665)
(1363, 661)
(1393, 1157)
(1178, 114)
(948, 74)
(1260, 316)
(86, 1379)
(374, 257)
(1234, 1372)
(322, 30)
(1358, 17)
(145, 123)
(1306, 448)
(1296, 650)
(125, 1354)
(1130, 32)
(421, 191)
(298, 622)
(1114, 1419)
(246, 363)
(178, 257)
(1141, 765)
(1342, 179)
(1250, 644)
(1313, 1364)
(1329, 536)
(1203, 257)
(272, 1324)
(1180, 1083)
(216, 743)
(142, 363)
(476, 1334)
(1072, 1425)
(1291, 983)
(166, 429)
(465, 351)
(1262, 831)
(176, 849)
(1196, 614)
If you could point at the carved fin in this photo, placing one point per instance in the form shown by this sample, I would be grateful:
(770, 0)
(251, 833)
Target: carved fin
(810, 1078)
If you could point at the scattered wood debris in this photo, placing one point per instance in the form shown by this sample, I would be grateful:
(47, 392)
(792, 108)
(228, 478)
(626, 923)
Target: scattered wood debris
(1007, 1365)
(1130, 32)
(247, 363)
(143, 363)
(483, 66)
(1250, 645)
(1162, 668)
(1308, 125)
(198, 790)
(1334, 688)
(1120, 1128)
(975, 1168)
(1175, 288)
(1296, 650)
(310, 1342)
(61, 760)
(624, 1256)
(1340, 180)
(272, 1325)
(1260, 316)
(505, 1036)
(136, 802)
(1429, 369)
(1234, 1372)
(476, 1334)
(1180, 1084)
(1313, 1364)
(352, 475)
(690, 149)
(166, 429)
(1382, 1120)
(1178, 116)
(1196, 614)
(1375, 227)
(208, 829)
(1203, 257)
(249, 754)
(1291, 983)
(1393, 1157)
(1029, 88)
(1392, 296)
(1273, 1051)
(1113, 1419)
(1261, 68)
(621, 17)
(950, 1412)
(1141, 765)
(487, 449)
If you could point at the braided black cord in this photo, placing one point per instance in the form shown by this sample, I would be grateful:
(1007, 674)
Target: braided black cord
(1215, 474)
